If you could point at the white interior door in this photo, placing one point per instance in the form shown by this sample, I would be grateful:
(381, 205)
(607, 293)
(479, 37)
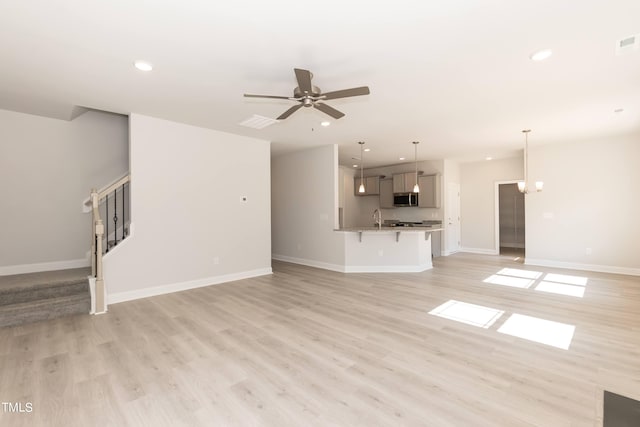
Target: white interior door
(452, 229)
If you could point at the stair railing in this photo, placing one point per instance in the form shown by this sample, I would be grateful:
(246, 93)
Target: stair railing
(100, 240)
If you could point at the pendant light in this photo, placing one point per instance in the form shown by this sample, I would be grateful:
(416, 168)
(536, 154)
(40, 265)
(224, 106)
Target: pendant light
(361, 189)
(416, 188)
(523, 186)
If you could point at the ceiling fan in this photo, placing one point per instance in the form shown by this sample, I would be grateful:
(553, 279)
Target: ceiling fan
(308, 95)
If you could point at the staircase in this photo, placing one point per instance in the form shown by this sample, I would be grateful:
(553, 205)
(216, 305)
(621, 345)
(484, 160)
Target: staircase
(26, 298)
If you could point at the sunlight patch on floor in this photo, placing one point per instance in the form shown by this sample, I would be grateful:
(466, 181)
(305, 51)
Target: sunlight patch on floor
(562, 289)
(514, 282)
(569, 280)
(471, 314)
(516, 272)
(547, 332)
(563, 284)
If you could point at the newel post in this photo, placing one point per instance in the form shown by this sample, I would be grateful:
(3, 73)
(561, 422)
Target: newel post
(94, 211)
(101, 306)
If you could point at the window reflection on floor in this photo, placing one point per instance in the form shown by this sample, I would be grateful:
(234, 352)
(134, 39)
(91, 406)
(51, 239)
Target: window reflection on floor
(534, 329)
(543, 331)
(470, 314)
(514, 282)
(559, 288)
(563, 284)
(516, 272)
(514, 277)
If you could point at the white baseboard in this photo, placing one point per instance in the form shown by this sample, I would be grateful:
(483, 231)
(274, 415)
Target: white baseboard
(309, 262)
(118, 297)
(481, 251)
(354, 268)
(447, 253)
(44, 266)
(388, 268)
(587, 267)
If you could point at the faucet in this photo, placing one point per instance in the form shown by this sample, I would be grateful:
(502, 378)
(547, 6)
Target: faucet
(377, 217)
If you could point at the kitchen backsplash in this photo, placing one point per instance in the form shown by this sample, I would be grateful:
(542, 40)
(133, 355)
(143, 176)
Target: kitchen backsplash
(411, 214)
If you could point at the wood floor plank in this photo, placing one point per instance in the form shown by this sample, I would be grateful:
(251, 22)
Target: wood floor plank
(313, 347)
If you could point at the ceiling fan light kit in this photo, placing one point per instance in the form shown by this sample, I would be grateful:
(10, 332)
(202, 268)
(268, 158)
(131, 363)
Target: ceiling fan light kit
(309, 96)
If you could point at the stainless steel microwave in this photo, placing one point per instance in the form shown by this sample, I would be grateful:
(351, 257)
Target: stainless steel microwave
(405, 199)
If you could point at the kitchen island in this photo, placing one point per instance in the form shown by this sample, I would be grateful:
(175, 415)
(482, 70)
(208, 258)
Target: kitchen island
(387, 249)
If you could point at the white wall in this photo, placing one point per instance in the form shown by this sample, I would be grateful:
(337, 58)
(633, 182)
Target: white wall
(189, 225)
(304, 187)
(477, 200)
(590, 201)
(357, 210)
(47, 168)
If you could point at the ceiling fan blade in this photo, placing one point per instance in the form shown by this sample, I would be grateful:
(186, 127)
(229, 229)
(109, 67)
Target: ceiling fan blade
(304, 80)
(356, 91)
(328, 110)
(289, 112)
(247, 95)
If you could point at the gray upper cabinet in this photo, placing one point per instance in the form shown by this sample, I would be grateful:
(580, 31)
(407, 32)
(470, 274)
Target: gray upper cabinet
(404, 182)
(386, 193)
(398, 183)
(371, 185)
(429, 191)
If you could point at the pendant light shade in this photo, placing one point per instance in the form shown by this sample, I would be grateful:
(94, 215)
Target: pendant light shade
(416, 187)
(361, 189)
(523, 186)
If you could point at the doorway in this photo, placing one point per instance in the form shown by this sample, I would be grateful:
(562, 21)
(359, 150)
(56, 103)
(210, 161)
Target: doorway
(510, 227)
(452, 228)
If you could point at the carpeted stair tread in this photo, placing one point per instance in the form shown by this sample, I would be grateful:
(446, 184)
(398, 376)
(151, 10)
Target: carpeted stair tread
(50, 308)
(26, 298)
(40, 292)
(16, 282)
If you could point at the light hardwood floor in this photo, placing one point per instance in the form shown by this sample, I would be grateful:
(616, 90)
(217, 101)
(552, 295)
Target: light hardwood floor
(313, 347)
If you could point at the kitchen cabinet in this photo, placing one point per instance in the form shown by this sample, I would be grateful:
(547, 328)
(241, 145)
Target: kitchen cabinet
(404, 182)
(371, 185)
(386, 193)
(429, 191)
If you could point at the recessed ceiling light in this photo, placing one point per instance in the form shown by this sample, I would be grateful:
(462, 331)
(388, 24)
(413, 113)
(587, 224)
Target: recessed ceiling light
(325, 124)
(367, 149)
(488, 158)
(143, 65)
(355, 166)
(541, 55)
(401, 158)
(618, 110)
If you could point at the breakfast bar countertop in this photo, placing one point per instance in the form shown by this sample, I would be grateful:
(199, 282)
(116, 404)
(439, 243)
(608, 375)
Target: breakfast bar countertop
(390, 229)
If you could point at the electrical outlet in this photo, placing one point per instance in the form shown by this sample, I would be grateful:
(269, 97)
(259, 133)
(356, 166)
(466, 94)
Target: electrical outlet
(380, 252)
(216, 260)
(588, 251)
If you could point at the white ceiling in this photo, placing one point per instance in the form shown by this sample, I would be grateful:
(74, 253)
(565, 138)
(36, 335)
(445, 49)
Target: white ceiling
(454, 75)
